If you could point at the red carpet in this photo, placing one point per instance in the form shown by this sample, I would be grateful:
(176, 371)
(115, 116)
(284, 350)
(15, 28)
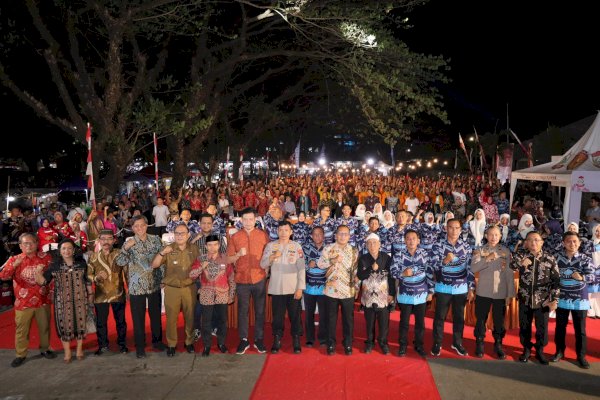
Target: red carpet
(338, 377)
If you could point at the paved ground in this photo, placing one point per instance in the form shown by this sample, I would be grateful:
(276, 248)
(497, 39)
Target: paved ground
(231, 377)
(118, 377)
(467, 379)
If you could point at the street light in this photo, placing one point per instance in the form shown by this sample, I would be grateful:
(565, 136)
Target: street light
(322, 161)
(370, 161)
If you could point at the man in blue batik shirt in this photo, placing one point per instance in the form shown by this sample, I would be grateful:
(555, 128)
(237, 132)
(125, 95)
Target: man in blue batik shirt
(396, 233)
(576, 272)
(315, 284)
(454, 285)
(413, 269)
(351, 222)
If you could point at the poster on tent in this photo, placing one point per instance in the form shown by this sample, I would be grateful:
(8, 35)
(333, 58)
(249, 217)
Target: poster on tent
(504, 161)
(585, 181)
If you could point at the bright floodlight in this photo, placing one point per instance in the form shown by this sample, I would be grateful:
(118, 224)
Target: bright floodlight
(322, 161)
(445, 162)
(10, 198)
(370, 161)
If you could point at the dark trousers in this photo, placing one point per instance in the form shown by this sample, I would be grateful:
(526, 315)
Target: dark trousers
(138, 315)
(310, 305)
(102, 310)
(347, 306)
(382, 315)
(281, 303)
(419, 311)
(258, 293)
(482, 309)
(526, 316)
(443, 301)
(211, 314)
(579, 320)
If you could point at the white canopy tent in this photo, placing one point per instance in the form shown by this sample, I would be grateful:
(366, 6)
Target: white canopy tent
(578, 171)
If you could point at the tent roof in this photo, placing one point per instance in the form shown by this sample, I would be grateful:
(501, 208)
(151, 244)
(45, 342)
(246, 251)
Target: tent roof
(583, 156)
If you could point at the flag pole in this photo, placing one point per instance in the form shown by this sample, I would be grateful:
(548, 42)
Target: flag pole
(155, 164)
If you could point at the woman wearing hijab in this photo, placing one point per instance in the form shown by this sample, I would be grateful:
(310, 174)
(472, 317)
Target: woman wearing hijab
(523, 228)
(388, 219)
(586, 246)
(594, 288)
(475, 228)
(378, 212)
(429, 230)
(552, 234)
(505, 229)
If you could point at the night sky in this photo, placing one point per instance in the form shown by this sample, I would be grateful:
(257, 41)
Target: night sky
(538, 61)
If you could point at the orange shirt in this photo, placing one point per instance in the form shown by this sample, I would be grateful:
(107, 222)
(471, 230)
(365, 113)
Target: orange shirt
(247, 268)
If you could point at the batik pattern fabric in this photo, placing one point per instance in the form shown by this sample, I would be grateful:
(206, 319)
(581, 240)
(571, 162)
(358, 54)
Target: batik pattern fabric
(595, 287)
(456, 276)
(28, 294)
(539, 283)
(271, 226)
(302, 232)
(315, 276)
(328, 226)
(429, 234)
(217, 280)
(553, 244)
(111, 289)
(395, 237)
(142, 279)
(413, 289)
(70, 298)
(376, 285)
(341, 272)
(573, 292)
(351, 223)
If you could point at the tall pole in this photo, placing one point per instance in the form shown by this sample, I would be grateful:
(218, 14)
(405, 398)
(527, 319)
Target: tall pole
(155, 164)
(7, 193)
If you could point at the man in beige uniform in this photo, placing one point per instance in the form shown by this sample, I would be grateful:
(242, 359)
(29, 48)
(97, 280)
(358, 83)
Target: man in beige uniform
(180, 291)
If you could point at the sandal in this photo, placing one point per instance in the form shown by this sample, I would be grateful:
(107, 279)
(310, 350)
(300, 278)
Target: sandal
(80, 357)
(67, 360)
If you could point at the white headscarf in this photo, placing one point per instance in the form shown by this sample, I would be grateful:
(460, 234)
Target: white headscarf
(426, 218)
(360, 212)
(446, 217)
(388, 219)
(576, 225)
(596, 241)
(477, 227)
(523, 229)
(504, 228)
(378, 212)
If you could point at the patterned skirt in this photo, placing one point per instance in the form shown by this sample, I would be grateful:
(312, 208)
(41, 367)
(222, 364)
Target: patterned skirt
(70, 304)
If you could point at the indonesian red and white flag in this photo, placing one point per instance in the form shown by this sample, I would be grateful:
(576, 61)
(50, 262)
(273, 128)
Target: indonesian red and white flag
(155, 162)
(241, 170)
(89, 172)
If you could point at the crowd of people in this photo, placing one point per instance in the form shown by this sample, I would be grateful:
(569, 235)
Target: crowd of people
(388, 242)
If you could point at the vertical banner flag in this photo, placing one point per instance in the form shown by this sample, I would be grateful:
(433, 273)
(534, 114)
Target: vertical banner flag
(297, 155)
(241, 171)
(156, 164)
(504, 161)
(227, 166)
(482, 160)
(456, 159)
(90, 170)
(525, 151)
(462, 146)
(267, 167)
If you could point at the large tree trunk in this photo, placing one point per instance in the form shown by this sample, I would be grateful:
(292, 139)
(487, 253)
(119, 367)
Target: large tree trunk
(175, 147)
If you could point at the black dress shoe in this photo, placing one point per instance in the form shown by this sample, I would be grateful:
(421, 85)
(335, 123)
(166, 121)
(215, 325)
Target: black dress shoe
(296, 345)
(170, 351)
(557, 357)
(421, 351)
(206, 352)
(330, 350)
(539, 355)
(276, 345)
(17, 362)
(160, 346)
(348, 351)
(368, 348)
(583, 363)
(525, 356)
(309, 343)
(140, 354)
(101, 351)
(123, 350)
(49, 354)
(402, 350)
(190, 348)
(222, 348)
(385, 349)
